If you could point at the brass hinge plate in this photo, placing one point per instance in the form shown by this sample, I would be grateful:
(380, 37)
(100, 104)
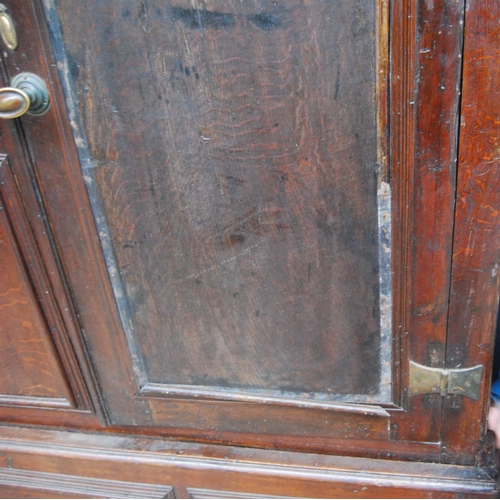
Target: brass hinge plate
(459, 381)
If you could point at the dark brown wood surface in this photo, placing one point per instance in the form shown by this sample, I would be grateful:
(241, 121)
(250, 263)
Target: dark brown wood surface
(234, 148)
(343, 429)
(422, 127)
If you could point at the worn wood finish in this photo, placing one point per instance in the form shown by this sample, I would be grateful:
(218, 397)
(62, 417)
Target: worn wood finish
(75, 229)
(50, 167)
(97, 314)
(47, 174)
(22, 199)
(423, 178)
(239, 186)
(403, 131)
(276, 422)
(233, 470)
(474, 292)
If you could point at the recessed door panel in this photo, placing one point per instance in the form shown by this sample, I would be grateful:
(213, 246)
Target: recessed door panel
(31, 373)
(234, 151)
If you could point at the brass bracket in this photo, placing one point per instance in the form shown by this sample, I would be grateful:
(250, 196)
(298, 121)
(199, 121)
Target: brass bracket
(457, 381)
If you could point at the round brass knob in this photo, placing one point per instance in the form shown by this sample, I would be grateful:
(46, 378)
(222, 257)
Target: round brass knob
(13, 102)
(28, 94)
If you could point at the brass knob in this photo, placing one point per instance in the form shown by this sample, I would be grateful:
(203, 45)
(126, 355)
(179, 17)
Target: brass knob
(28, 94)
(7, 29)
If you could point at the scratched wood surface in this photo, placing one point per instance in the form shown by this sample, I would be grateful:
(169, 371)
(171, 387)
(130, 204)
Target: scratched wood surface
(476, 245)
(423, 173)
(421, 26)
(235, 155)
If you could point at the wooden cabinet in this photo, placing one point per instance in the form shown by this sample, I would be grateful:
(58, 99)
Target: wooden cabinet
(236, 236)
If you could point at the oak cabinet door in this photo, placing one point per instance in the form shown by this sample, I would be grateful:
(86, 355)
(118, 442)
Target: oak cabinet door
(254, 212)
(235, 159)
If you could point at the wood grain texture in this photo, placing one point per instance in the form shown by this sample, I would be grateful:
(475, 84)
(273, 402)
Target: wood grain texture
(423, 142)
(474, 292)
(428, 46)
(31, 160)
(236, 166)
(187, 466)
(110, 352)
(280, 422)
(26, 208)
(30, 366)
(74, 233)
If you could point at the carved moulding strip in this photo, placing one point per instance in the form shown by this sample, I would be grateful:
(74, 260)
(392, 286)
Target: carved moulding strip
(92, 487)
(34, 402)
(309, 400)
(210, 467)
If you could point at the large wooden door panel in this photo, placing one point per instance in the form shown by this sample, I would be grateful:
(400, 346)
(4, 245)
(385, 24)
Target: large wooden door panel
(239, 190)
(225, 234)
(233, 231)
(240, 195)
(238, 203)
